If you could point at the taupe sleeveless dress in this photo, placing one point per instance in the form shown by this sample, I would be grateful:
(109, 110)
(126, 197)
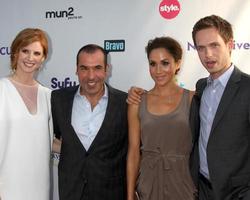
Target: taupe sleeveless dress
(166, 145)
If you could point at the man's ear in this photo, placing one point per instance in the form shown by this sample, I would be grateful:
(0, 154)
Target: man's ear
(231, 43)
(76, 71)
(107, 68)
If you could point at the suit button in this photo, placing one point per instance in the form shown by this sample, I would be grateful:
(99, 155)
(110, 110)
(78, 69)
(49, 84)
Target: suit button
(85, 182)
(87, 154)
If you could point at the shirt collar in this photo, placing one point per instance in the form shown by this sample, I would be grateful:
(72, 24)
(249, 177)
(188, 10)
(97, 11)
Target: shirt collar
(223, 79)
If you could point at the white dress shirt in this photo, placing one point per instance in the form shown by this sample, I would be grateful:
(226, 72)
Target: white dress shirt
(209, 103)
(85, 121)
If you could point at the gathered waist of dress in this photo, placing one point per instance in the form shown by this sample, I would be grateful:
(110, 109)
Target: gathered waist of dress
(153, 156)
(164, 175)
(158, 152)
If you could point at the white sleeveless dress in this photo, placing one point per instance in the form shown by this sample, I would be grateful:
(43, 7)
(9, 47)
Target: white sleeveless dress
(25, 145)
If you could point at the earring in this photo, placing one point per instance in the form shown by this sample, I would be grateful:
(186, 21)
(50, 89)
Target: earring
(176, 71)
(40, 67)
(13, 71)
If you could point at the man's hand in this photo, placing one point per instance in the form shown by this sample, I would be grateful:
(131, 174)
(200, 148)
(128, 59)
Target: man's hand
(134, 95)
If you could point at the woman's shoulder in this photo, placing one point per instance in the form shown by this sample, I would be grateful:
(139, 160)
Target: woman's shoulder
(3, 81)
(190, 94)
(45, 91)
(44, 88)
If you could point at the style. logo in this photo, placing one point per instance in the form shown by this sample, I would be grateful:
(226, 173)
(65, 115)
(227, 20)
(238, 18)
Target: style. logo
(69, 14)
(114, 45)
(169, 9)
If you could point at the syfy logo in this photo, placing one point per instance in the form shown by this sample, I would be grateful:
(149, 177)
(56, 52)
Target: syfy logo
(57, 84)
(114, 45)
(69, 14)
(236, 46)
(4, 51)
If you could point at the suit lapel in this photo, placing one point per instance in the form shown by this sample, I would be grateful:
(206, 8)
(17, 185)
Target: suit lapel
(200, 88)
(227, 97)
(195, 108)
(69, 103)
(108, 118)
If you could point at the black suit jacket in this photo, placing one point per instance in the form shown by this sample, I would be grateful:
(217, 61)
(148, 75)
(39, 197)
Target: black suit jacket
(228, 149)
(100, 172)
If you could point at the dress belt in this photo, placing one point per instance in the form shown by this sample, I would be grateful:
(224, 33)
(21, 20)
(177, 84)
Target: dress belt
(156, 156)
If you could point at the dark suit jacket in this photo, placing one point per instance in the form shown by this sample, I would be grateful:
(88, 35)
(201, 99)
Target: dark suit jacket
(100, 172)
(228, 149)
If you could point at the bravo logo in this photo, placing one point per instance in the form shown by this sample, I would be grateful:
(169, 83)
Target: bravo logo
(114, 45)
(169, 9)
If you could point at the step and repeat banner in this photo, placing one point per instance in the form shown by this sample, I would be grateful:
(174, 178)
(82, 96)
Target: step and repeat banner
(123, 28)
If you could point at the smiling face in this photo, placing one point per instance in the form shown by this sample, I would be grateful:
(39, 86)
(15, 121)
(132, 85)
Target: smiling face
(24, 39)
(92, 72)
(213, 51)
(29, 58)
(162, 66)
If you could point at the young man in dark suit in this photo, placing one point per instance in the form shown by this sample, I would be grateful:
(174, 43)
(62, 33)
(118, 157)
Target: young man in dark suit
(220, 117)
(91, 121)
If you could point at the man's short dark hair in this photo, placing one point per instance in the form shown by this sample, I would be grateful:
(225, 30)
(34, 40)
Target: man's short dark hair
(92, 48)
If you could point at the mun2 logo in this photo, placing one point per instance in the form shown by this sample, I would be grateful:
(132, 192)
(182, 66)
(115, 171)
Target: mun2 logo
(169, 9)
(69, 14)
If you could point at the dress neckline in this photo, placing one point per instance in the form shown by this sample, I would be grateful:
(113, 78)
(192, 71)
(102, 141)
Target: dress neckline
(185, 92)
(21, 98)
